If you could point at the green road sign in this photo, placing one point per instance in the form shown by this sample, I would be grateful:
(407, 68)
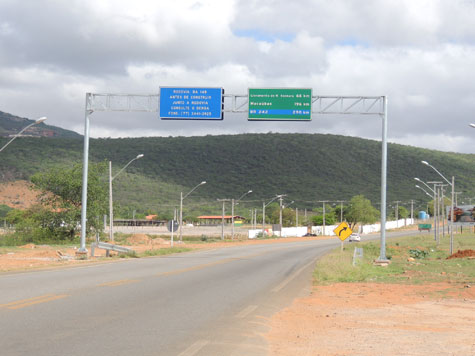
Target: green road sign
(280, 104)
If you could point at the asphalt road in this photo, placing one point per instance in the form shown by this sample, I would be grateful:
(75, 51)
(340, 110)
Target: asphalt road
(213, 302)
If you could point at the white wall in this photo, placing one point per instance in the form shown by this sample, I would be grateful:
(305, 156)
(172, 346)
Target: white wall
(318, 230)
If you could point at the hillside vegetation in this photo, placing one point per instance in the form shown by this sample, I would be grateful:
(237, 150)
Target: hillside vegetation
(305, 167)
(11, 125)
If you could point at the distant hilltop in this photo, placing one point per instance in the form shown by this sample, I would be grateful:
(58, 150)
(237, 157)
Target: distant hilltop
(10, 125)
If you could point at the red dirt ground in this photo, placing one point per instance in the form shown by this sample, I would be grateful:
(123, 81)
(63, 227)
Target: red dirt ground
(462, 254)
(377, 320)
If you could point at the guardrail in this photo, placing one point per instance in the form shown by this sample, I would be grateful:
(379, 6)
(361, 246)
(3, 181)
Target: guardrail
(109, 247)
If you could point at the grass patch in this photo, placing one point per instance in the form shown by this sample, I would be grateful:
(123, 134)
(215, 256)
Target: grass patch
(414, 260)
(164, 251)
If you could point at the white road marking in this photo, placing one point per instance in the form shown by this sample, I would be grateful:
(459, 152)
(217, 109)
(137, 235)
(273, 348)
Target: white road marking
(195, 348)
(290, 278)
(246, 311)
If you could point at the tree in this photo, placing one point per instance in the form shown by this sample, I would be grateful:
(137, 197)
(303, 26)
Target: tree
(61, 196)
(361, 211)
(403, 213)
(288, 217)
(330, 218)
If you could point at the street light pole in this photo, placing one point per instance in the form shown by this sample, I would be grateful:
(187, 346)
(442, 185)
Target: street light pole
(280, 213)
(181, 207)
(39, 121)
(452, 184)
(434, 192)
(111, 209)
(436, 209)
(264, 213)
(232, 211)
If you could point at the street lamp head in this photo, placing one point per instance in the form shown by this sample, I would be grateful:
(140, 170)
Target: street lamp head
(40, 120)
(249, 192)
(472, 125)
(417, 179)
(139, 156)
(425, 162)
(418, 186)
(203, 182)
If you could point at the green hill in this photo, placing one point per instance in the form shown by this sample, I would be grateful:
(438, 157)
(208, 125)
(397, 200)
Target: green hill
(305, 167)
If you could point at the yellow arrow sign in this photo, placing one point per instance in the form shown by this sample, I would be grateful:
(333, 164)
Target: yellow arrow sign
(343, 231)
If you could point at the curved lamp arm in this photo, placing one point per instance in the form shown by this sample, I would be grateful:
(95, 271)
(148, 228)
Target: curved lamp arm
(203, 182)
(138, 156)
(39, 121)
(440, 174)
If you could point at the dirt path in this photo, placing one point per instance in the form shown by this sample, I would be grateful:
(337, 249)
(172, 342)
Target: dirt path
(377, 319)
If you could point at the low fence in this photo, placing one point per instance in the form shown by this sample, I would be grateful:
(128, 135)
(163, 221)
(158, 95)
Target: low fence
(328, 230)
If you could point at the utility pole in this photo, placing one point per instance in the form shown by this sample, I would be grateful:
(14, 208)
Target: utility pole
(296, 217)
(222, 217)
(232, 219)
(323, 202)
(397, 212)
(341, 211)
(232, 212)
(435, 209)
(341, 208)
(412, 209)
(280, 213)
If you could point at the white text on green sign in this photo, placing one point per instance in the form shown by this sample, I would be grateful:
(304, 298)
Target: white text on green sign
(280, 104)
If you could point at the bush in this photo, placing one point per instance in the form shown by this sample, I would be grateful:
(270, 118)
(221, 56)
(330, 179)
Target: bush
(419, 254)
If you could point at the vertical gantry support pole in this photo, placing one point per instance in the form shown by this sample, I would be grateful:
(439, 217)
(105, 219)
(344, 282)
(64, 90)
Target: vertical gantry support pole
(452, 218)
(82, 247)
(111, 210)
(384, 157)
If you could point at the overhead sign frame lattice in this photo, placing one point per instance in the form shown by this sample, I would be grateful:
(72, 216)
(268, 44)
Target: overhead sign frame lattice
(238, 103)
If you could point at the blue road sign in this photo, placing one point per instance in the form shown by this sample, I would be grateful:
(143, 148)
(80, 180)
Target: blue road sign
(191, 103)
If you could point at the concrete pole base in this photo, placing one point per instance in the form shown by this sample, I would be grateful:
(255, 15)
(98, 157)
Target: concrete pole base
(382, 263)
(81, 255)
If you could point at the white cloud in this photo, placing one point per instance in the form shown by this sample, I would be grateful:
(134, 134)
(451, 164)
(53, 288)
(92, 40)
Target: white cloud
(419, 53)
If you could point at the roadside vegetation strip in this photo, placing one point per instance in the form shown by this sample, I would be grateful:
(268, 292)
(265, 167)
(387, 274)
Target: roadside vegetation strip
(414, 260)
(32, 301)
(164, 251)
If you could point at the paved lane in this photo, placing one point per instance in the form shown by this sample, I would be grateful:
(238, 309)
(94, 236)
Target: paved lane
(201, 303)
(212, 302)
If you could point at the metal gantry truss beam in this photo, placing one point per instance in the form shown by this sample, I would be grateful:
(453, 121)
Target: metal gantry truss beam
(238, 103)
(122, 102)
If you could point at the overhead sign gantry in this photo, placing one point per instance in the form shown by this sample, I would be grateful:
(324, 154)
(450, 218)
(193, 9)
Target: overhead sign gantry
(245, 103)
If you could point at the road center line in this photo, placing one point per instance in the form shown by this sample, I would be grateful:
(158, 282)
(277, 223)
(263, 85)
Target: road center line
(32, 301)
(291, 277)
(246, 311)
(118, 283)
(195, 348)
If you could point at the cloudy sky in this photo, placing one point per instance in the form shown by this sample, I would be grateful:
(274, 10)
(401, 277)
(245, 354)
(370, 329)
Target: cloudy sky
(420, 53)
